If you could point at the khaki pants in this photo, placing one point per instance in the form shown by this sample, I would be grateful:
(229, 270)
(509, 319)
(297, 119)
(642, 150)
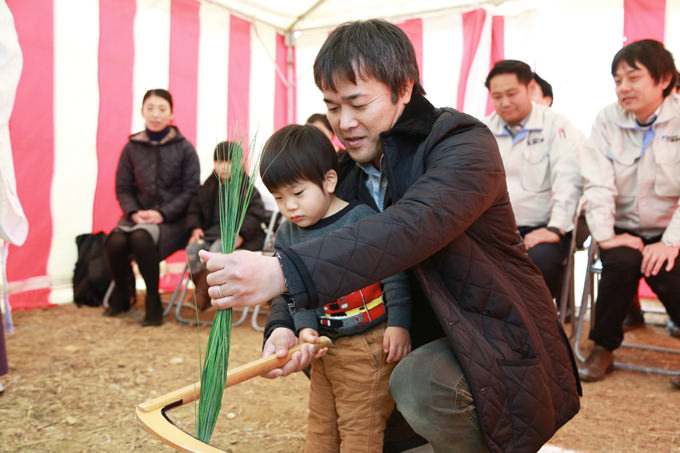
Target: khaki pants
(349, 403)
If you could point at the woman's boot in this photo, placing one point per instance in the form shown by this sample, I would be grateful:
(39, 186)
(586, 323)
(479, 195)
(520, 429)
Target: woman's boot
(154, 310)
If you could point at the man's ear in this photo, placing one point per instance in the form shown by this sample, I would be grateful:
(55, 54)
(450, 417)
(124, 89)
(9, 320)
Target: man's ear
(330, 181)
(406, 92)
(665, 80)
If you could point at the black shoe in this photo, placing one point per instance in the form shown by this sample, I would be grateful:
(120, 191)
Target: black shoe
(113, 311)
(152, 322)
(118, 303)
(154, 311)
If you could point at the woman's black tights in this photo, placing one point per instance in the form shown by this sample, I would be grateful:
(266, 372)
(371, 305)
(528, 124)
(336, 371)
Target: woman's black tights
(138, 245)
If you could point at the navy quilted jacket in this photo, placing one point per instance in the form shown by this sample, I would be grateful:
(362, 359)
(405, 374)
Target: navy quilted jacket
(450, 221)
(163, 177)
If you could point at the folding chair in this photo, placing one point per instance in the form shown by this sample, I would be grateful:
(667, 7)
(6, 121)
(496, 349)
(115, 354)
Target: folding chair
(180, 291)
(566, 302)
(588, 300)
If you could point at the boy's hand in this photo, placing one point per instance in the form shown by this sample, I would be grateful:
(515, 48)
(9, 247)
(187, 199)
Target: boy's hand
(396, 343)
(308, 335)
(196, 235)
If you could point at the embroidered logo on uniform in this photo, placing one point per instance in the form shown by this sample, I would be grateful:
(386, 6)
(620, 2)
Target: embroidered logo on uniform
(535, 139)
(670, 138)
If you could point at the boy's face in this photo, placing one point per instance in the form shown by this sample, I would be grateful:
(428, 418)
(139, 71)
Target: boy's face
(510, 98)
(359, 112)
(223, 169)
(304, 203)
(637, 91)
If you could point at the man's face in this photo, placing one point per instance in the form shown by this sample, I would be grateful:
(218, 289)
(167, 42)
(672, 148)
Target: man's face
(511, 99)
(359, 112)
(637, 91)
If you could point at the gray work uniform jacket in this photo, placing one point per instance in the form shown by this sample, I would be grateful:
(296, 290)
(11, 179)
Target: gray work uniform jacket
(632, 175)
(541, 167)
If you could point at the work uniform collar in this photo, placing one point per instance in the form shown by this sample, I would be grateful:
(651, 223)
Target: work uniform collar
(532, 122)
(664, 113)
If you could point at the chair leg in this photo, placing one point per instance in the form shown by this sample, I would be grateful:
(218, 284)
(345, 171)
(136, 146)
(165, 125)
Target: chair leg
(588, 301)
(107, 296)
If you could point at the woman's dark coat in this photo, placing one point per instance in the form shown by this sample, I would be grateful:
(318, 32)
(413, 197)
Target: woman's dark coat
(452, 224)
(201, 213)
(163, 176)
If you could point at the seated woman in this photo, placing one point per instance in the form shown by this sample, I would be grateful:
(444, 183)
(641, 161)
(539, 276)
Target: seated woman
(158, 174)
(203, 222)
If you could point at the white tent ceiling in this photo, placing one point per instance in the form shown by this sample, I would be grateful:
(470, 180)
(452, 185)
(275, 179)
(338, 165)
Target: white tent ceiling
(314, 14)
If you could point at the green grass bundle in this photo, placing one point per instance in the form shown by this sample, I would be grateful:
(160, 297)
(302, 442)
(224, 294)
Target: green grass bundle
(234, 197)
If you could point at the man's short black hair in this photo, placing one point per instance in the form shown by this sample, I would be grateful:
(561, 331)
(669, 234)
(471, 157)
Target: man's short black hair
(546, 88)
(519, 68)
(652, 55)
(372, 48)
(297, 153)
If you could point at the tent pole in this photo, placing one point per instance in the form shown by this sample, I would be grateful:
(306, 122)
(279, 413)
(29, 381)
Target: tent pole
(290, 76)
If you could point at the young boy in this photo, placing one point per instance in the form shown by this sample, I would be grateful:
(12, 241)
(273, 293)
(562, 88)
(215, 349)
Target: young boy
(349, 401)
(203, 222)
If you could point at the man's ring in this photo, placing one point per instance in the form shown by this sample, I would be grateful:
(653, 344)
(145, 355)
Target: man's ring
(219, 292)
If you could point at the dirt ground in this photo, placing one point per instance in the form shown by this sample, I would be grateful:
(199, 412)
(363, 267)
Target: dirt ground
(75, 379)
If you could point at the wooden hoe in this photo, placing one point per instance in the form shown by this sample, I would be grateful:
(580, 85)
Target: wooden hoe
(153, 413)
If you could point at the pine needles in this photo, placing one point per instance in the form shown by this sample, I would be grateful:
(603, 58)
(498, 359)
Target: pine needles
(235, 192)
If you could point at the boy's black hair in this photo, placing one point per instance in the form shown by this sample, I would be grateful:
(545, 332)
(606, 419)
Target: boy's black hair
(224, 151)
(161, 93)
(372, 48)
(652, 55)
(297, 153)
(320, 117)
(519, 68)
(546, 88)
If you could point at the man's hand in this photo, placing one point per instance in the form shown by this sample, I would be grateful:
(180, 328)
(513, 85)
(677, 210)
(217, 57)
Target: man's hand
(655, 255)
(539, 236)
(196, 235)
(279, 342)
(396, 343)
(623, 240)
(242, 278)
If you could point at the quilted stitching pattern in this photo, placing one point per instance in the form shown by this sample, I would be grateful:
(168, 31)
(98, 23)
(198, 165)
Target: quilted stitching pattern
(497, 313)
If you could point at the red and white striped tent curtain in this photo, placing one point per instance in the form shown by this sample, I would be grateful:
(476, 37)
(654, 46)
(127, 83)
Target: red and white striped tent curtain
(87, 64)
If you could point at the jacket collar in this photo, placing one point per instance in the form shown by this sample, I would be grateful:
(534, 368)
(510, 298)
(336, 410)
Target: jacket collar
(142, 137)
(666, 112)
(416, 119)
(533, 122)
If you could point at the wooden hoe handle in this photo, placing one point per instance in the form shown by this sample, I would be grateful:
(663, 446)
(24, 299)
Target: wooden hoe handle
(152, 413)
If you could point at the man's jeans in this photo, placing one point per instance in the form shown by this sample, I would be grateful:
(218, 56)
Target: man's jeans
(431, 393)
